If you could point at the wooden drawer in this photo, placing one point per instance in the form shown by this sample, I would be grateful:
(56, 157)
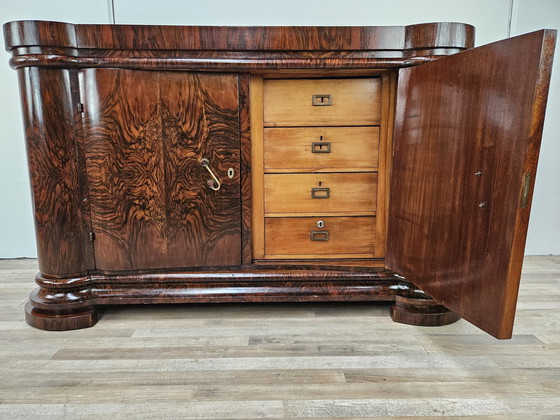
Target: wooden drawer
(343, 193)
(340, 237)
(321, 148)
(290, 102)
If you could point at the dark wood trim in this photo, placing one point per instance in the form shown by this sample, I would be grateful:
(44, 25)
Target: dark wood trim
(539, 101)
(57, 181)
(58, 44)
(71, 303)
(240, 38)
(82, 171)
(421, 312)
(245, 145)
(72, 320)
(245, 275)
(414, 307)
(221, 61)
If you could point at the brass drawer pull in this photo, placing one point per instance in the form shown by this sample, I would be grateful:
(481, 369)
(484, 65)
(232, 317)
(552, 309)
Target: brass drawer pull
(321, 100)
(320, 192)
(213, 183)
(321, 147)
(319, 235)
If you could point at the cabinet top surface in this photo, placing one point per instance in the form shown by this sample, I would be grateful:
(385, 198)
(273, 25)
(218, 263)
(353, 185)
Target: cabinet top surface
(238, 38)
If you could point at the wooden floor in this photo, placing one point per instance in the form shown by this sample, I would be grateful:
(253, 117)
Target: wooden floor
(279, 361)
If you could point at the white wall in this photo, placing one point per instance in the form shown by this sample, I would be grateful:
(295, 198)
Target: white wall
(491, 19)
(544, 226)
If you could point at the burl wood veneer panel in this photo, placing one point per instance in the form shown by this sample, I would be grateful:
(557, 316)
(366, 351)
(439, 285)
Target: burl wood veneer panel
(49, 105)
(146, 133)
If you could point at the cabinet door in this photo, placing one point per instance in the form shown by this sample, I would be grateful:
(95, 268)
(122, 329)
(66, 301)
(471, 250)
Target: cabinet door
(467, 135)
(146, 133)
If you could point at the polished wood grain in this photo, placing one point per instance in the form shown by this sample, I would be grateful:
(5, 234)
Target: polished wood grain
(355, 264)
(145, 138)
(246, 168)
(246, 61)
(325, 149)
(348, 193)
(388, 101)
(224, 38)
(295, 360)
(57, 44)
(423, 312)
(414, 307)
(257, 165)
(485, 115)
(120, 191)
(285, 237)
(288, 102)
(425, 36)
(51, 320)
(49, 105)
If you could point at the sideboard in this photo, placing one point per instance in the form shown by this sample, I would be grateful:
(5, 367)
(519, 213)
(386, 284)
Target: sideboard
(182, 164)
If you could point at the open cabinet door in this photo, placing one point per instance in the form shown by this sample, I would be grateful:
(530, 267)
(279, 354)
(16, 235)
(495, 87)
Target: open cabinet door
(467, 134)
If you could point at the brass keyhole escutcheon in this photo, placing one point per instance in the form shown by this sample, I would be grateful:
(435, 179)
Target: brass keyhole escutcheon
(230, 173)
(320, 224)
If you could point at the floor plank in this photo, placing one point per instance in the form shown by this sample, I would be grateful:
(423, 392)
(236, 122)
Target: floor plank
(324, 360)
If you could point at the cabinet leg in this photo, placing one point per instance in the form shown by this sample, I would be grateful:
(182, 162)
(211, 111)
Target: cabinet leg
(414, 307)
(55, 310)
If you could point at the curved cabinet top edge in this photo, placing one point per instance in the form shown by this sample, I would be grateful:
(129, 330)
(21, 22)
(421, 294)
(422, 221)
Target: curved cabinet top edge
(27, 33)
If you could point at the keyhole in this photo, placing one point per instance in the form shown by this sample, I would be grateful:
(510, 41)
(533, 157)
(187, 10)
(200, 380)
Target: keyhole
(320, 183)
(320, 146)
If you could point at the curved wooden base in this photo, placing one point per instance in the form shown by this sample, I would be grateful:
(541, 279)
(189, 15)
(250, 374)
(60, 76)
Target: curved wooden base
(60, 310)
(52, 321)
(424, 312)
(70, 303)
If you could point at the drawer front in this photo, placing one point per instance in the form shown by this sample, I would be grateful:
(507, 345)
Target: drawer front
(339, 237)
(347, 193)
(293, 102)
(320, 148)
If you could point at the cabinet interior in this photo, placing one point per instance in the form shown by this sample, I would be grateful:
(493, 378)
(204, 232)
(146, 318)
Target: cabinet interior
(320, 159)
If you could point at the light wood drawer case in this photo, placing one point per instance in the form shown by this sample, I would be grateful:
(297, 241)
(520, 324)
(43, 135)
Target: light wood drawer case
(321, 149)
(306, 102)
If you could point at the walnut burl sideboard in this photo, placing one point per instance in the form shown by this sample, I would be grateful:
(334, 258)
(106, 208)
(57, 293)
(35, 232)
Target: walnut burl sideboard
(187, 164)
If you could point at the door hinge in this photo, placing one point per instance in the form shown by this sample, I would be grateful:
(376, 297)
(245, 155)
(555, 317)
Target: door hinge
(91, 236)
(525, 190)
(80, 107)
